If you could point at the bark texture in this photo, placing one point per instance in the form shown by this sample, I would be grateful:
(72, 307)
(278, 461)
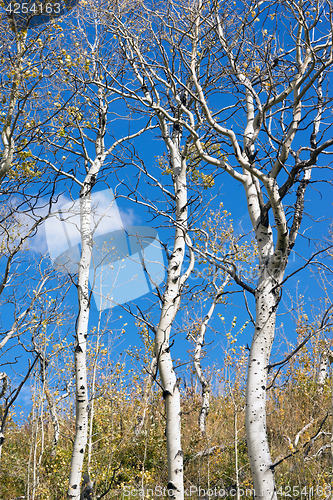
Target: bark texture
(81, 389)
(170, 306)
(257, 444)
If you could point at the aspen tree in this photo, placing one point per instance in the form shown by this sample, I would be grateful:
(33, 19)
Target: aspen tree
(189, 53)
(73, 125)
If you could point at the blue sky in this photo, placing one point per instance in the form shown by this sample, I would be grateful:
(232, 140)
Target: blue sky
(318, 206)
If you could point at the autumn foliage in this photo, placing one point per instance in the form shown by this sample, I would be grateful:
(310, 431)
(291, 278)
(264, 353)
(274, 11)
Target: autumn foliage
(122, 459)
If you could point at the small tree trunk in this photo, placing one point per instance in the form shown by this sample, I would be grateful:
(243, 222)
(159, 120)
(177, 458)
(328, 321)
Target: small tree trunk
(199, 342)
(54, 418)
(146, 393)
(323, 370)
(92, 397)
(236, 452)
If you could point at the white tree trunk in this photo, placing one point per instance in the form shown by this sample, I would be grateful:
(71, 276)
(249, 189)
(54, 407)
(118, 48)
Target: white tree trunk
(169, 380)
(171, 396)
(199, 343)
(323, 370)
(81, 392)
(255, 419)
(171, 302)
(271, 269)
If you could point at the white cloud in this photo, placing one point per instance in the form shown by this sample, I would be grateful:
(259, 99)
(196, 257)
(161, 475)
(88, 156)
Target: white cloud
(129, 217)
(63, 228)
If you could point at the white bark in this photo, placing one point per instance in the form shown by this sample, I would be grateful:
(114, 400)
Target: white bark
(92, 168)
(170, 385)
(323, 369)
(205, 386)
(199, 342)
(326, 359)
(255, 419)
(175, 281)
(7, 130)
(169, 380)
(272, 261)
(81, 392)
(263, 193)
(170, 306)
(4, 379)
